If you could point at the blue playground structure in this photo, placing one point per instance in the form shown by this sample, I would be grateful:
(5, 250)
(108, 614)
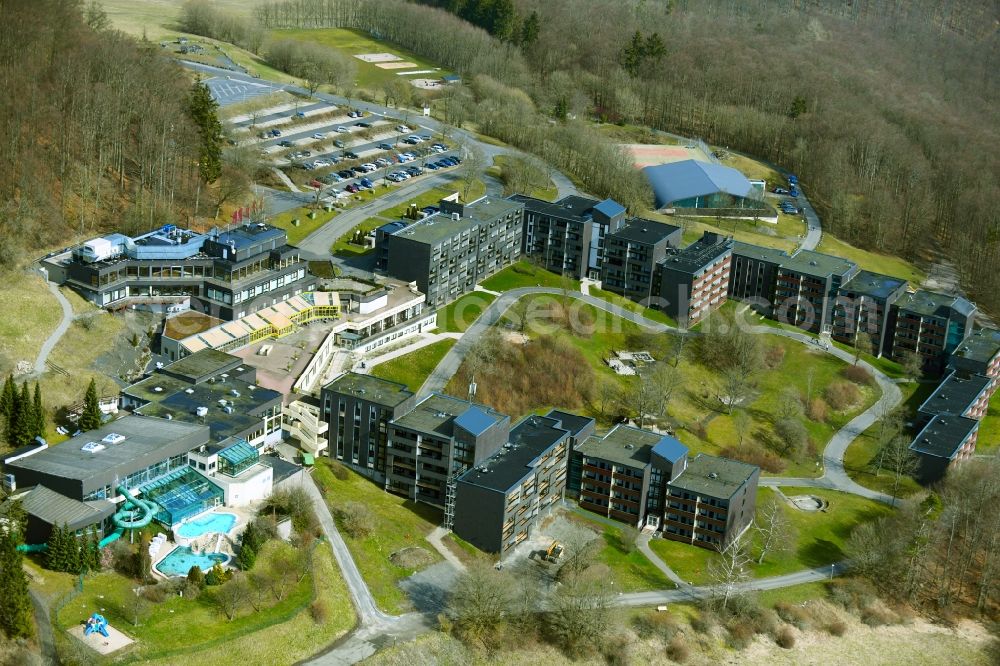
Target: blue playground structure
(96, 624)
(134, 514)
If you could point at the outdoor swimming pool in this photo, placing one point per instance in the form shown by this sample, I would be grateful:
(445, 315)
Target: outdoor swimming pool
(180, 560)
(212, 522)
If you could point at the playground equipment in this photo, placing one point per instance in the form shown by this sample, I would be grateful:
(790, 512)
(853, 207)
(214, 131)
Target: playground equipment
(134, 514)
(96, 624)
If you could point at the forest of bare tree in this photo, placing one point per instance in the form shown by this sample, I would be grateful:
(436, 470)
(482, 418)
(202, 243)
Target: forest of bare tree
(95, 129)
(886, 110)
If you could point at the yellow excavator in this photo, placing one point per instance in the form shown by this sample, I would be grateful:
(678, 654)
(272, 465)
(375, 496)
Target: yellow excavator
(554, 552)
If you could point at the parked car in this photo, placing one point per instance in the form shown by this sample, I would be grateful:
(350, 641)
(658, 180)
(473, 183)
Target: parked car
(793, 179)
(369, 167)
(402, 129)
(352, 188)
(365, 125)
(342, 129)
(319, 136)
(275, 132)
(353, 114)
(332, 178)
(414, 171)
(351, 155)
(306, 153)
(285, 144)
(780, 190)
(384, 146)
(425, 137)
(346, 173)
(438, 149)
(432, 166)
(793, 191)
(366, 182)
(315, 183)
(300, 114)
(456, 159)
(383, 162)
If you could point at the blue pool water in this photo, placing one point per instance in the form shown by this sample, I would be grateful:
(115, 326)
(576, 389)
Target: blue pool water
(181, 559)
(213, 522)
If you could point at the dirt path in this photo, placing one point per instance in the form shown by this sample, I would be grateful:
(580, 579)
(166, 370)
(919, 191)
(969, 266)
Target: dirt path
(53, 340)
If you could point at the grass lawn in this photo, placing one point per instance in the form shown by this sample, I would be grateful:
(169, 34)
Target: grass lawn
(862, 451)
(306, 225)
(459, 315)
(547, 192)
(632, 306)
(413, 369)
(752, 169)
(872, 261)
(323, 269)
(525, 274)
(206, 627)
(157, 17)
(689, 562)
(343, 247)
(764, 234)
(353, 43)
(630, 570)
(32, 313)
(796, 594)
(821, 536)
(401, 523)
(989, 427)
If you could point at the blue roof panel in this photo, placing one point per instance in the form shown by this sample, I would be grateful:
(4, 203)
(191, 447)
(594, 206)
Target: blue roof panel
(475, 421)
(691, 178)
(610, 208)
(670, 449)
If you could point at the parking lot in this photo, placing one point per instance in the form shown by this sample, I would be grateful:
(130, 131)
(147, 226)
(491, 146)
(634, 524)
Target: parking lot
(339, 150)
(226, 91)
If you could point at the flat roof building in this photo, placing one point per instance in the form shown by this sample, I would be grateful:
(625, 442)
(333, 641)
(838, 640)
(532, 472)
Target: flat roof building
(862, 307)
(930, 324)
(978, 353)
(448, 252)
(631, 255)
(499, 502)
(807, 284)
(692, 281)
(945, 440)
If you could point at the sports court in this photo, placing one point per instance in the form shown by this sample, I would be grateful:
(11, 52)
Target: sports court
(228, 91)
(644, 155)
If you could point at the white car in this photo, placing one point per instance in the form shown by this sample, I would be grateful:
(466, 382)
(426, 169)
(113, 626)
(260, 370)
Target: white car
(414, 138)
(369, 167)
(342, 129)
(438, 149)
(319, 136)
(402, 128)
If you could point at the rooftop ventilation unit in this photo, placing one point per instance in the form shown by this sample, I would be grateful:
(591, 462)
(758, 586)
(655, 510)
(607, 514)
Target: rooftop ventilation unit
(222, 402)
(713, 475)
(224, 375)
(157, 389)
(113, 438)
(92, 447)
(189, 391)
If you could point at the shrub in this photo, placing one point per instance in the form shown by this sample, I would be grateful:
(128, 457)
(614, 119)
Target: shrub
(793, 435)
(741, 632)
(842, 395)
(817, 410)
(774, 356)
(786, 637)
(678, 650)
(877, 615)
(319, 610)
(340, 471)
(793, 614)
(851, 593)
(836, 628)
(196, 577)
(859, 375)
(357, 519)
(617, 651)
(157, 593)
(704, 621)
(656, 625)
(756, 455)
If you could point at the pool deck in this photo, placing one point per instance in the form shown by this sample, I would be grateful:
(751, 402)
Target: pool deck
(115, 641)
(243, 516)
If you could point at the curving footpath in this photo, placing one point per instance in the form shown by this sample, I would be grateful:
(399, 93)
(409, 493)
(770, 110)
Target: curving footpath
(53, 339)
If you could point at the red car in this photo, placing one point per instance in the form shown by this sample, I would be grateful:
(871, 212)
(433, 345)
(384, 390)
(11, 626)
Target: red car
(315, 183)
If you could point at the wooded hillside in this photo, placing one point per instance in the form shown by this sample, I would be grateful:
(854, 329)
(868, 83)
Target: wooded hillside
(94, 126)
(887, 113)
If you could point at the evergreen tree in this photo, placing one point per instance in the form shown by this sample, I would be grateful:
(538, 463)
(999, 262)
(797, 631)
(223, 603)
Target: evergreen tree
(247, 558)
(15, 604)
(653, 49)
(55, 555)
(204, 112)
(7, 397)
(503, 20)
(38, 414)
(19, 425)
(631, 56)
(196, 576)
(94, 551)
(530, 29)
(91, 417)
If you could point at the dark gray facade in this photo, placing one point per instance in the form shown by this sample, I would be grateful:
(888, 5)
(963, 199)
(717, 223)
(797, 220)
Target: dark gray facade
(807, 287)
(225, 274)
(499, 502)
(631, 255)
(150, 448)
(693, 281)
(447, 253)
(932, 325)
(581, 428)
(359, 409)
(568, 236)
(863, 305)
(440, 438)
(753, 274)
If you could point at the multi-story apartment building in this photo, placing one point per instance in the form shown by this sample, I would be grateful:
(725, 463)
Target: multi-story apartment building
(358, 409)
(438, 439)
(693, 281)
(499, 502)
(448, 252)
(711, 502)
(863, 305)
(806, 286)
(568, 236)
(631, 255)
(646, 479)
(581, 428)
(966, 396)
(932, 325)
(753, 274)
(979, 354)
(945, 441)
(226, 274)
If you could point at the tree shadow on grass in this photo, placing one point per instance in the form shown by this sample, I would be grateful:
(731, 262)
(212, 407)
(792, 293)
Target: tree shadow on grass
(820, 552)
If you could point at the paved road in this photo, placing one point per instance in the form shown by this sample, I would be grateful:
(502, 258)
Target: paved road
(449, 365)
(53, 339)
(814, 230)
